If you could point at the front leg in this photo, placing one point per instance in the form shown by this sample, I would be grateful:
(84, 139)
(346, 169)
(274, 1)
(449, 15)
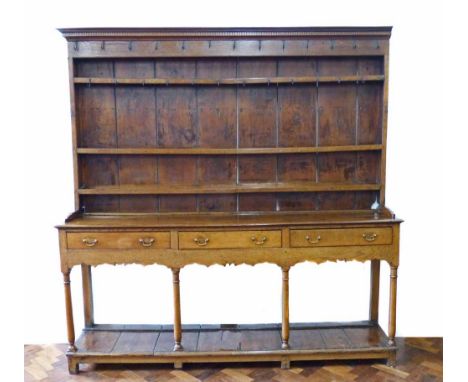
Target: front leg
(177, 319)
(69, 312)
(392, 305)
(285, 310)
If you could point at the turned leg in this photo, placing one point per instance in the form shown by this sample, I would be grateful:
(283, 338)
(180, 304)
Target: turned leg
(374, 291)
(392, 307)
(87, 295)
(177, 319)
(285, 309)
(69, 312)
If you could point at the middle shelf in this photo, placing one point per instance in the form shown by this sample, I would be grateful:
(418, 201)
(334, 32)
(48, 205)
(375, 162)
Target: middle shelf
(156, 189)
(224, 151)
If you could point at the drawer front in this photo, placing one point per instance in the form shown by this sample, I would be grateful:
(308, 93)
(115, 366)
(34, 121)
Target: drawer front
(337, 237)
(118, 240)
(229, 239)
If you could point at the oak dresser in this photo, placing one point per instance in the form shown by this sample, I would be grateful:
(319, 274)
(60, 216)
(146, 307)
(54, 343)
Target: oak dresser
(229, 146)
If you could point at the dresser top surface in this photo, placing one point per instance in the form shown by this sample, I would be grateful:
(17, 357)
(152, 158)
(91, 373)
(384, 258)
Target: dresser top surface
(219, 220)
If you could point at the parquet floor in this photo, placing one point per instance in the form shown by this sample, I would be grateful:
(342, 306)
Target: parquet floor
(418, 359)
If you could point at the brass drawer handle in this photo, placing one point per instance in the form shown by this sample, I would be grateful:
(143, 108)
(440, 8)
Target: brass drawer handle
(89, 242)
(201, 241)
(260, 241)
(369, 236)
(146, 241)
(311, 241)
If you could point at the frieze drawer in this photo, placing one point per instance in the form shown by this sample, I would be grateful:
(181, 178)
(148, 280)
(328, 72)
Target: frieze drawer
(229, 239)
(338, 237)
(118, 240)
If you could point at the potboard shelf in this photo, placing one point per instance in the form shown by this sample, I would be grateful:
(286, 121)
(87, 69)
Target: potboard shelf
(224, 151)
(226, 189)
(225, 81)
(154, 343)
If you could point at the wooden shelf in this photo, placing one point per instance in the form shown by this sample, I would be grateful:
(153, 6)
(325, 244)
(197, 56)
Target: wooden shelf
(225, 189)
(225, 151)
(225, 81)
(234, 342)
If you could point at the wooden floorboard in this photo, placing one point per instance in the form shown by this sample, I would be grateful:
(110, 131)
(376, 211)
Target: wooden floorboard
(99, 342)
(137, 343)
(364, 337)
(306, 339)
(210, 341)
(418, 359)
(335, 339)
(165, 342)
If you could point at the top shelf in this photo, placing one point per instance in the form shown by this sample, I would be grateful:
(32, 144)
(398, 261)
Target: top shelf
(226, 81)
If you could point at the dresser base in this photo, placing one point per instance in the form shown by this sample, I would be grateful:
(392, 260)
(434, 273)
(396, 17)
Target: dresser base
(230, 343)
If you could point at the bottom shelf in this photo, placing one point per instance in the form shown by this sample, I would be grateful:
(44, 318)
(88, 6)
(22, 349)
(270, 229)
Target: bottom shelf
(231, 343)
